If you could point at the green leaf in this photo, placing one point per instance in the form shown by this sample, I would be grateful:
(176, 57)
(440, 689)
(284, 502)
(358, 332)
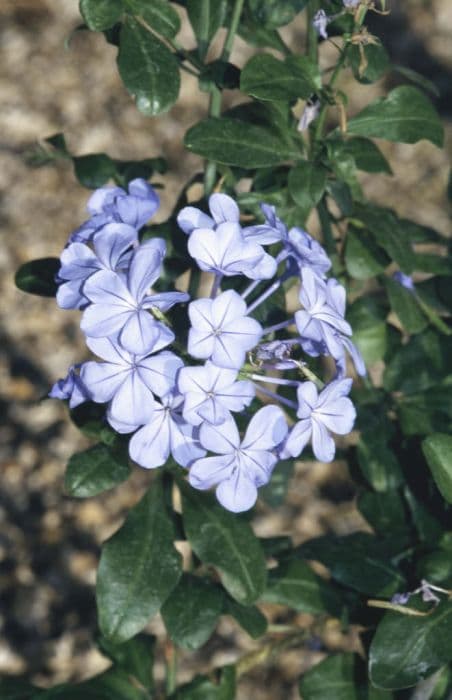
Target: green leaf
(384, 511)
(233, 142)
(206, 17)
(159, 14)
(407, 649)
(275, 13)
(365, 153)
(307, 183)
(405, 306)
(389, 232)
(417, 79)
(95, 470)
(363, 258)
(249, 617)
(191, 611)
(89, 418)
(359, 561)
(420, 364)
(378, 463)
(226, 541)
(370, 332)
(148, 69)
(405, 115)
(101, 14)
(293, 583)
(17, 689)
(38, 277)
(138, 569)
(94, 169)
(267, 78)
(202, 688)
(274, 493)
(375, 65)
(135, 657)
(336, 677)
(437, 450)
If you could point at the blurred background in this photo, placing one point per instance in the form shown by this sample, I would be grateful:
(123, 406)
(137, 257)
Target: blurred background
(49, 544)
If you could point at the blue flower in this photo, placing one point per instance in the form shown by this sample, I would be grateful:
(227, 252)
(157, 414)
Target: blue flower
(226, 251)
(405, 280)
(321, 321)
(320, 23)
(113, 204)
(222, 207)
(320, 414)
(128, 382)
(70, 388)
(240, 467)
(120, 307)
(211, 392)
(166, 433)
(78, 262)
(221, 331)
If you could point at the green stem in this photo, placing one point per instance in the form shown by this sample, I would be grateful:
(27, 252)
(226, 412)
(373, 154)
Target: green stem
(230, 36)
(325, 224)
(210, 173)
(171, 668)
(215, 95)
(312, 37)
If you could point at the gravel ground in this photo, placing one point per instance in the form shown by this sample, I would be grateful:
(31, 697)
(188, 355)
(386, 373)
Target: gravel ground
(49, 544)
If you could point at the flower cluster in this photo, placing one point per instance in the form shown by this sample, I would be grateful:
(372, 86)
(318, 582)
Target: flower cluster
(191, 409)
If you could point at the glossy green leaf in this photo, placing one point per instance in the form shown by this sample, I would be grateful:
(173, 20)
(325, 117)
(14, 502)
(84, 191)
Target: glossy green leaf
(365, 153)
(389, 232)
(375, 63)
(359, 561)
(206, 17)
(158, 14)
(417, 79)
(94, 169)
(363, 258)
(437, 450)
(191, 611)
(420, 364)
(203, 688)
(275, 492)
(249, 617)
(436, 567)
(405, 306)
(89, 418)
(138, 569)
(38, 277)
(101, 14)
(12, 688)
(293, 583)
(135, 657)
(307, 183)
(94, 470)
(378, 462)
(370, 331)
(227, 542)
(384, 511)
(407, 649)
(148, 69)
(268, 78)
(233, 142)
(336, 677)
(275, 13)
(405, 115)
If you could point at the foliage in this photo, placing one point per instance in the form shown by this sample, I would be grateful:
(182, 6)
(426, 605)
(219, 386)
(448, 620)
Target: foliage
(392, 581)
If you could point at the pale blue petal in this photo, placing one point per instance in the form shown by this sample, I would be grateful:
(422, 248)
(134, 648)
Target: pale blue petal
(222, 439)
(150, 446)
(322, 443)
(208, 472)
(223, 208)
(266, 430)
(237, 493)
(191, 218)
